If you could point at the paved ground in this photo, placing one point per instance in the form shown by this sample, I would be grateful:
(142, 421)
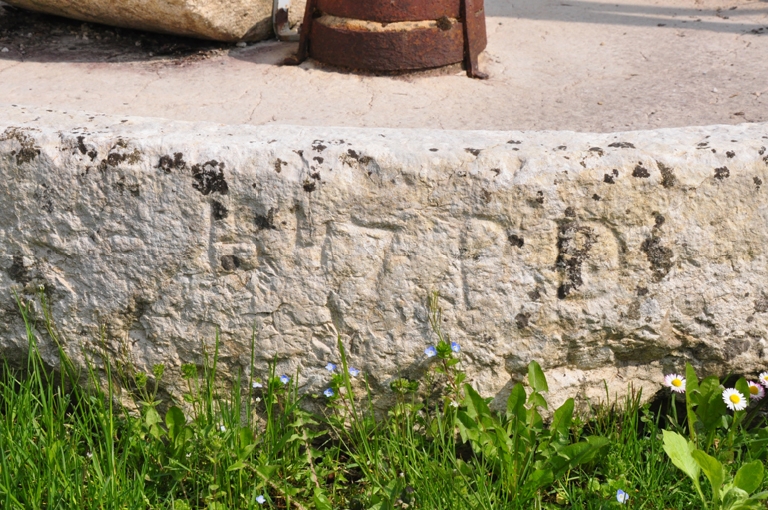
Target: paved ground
(554, 64)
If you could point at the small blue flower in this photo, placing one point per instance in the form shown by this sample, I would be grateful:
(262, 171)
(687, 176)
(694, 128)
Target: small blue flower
(285, 379)
(257, 384)
(430, 351)
(455, 347)
(328, 393)
(621, 496)
(330, 367)
(354, 372)
(260, 499)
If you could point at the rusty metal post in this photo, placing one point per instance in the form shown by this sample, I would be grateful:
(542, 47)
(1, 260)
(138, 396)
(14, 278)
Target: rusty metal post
(387, 35)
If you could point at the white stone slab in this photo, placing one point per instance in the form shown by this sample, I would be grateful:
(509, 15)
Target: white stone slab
(606, 257)
(221, 20)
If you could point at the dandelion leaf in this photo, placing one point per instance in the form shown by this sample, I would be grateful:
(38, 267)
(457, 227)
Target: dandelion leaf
(712, 469)
(679, 451)
(749, 476)
(536, 377)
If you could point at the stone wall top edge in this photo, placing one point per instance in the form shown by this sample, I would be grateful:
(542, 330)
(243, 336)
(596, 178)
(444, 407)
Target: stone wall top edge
(48, 120)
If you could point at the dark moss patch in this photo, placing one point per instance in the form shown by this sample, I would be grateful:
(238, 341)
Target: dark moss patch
(266, 221)
(218, 210)
(730, 154)
(84, 150)
(621, 145)
(597, 150)
(521, 320)
(17, 271)
(167, 163)
(758, 182)
(539, 197)
(474, 152)
(642, 291)
(611, 177)
(573, 244)
(433, 150)
(658, 255)
(658, 220)
(309, 186)
(118, 154)
(641, 171)
(28, 151)
(318, 159)
(596, 197)
(668, 179)
(516, 240)
(514, 142)
(230, 262)
(279, 164)
(318, 146)
(722, 173)
(570, 212)
(209, 178)
(534, 295)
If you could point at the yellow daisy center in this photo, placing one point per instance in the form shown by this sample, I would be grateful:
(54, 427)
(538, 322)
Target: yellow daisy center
(677, 383)
(734, 398)
(753, 390)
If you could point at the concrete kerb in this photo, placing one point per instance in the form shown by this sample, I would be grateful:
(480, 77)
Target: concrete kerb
(606, 257)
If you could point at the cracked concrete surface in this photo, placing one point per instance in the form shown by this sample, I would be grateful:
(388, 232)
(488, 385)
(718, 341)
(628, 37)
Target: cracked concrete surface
(573, 65)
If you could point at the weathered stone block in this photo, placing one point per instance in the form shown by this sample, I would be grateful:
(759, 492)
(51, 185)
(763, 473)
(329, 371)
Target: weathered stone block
(220, 20)
(611, 257)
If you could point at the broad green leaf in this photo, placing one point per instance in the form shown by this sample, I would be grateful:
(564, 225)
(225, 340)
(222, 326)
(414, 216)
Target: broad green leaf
(713, 470)
(711, 408)
(476, 404)
(561, 420)
(749, 476)
(267, 472)
(152, 417)
(516, 403)
(246, 437)
(538, 479)
(536, 377)
(691, 398)
(175, 421)
(537, 400)
(679, 451)
(320, 500)
(237, 466)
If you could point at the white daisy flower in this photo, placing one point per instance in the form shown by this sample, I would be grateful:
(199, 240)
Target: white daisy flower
(675, 383)
(763, 378)
(734, 399)
(756, 390)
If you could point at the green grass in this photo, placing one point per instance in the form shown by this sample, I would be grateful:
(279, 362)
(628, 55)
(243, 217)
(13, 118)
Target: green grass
(66, 441)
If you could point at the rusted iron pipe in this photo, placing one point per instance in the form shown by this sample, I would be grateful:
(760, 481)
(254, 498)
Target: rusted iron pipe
(382, 35)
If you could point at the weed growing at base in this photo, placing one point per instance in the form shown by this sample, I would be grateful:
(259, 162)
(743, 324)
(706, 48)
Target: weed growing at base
(66, 442)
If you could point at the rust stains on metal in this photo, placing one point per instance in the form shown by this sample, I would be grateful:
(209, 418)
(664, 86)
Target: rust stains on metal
(394, 35)
(386, 11)
(389, 48)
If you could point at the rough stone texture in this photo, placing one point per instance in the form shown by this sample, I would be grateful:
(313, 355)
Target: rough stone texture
(609, 257)
(220, 20)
